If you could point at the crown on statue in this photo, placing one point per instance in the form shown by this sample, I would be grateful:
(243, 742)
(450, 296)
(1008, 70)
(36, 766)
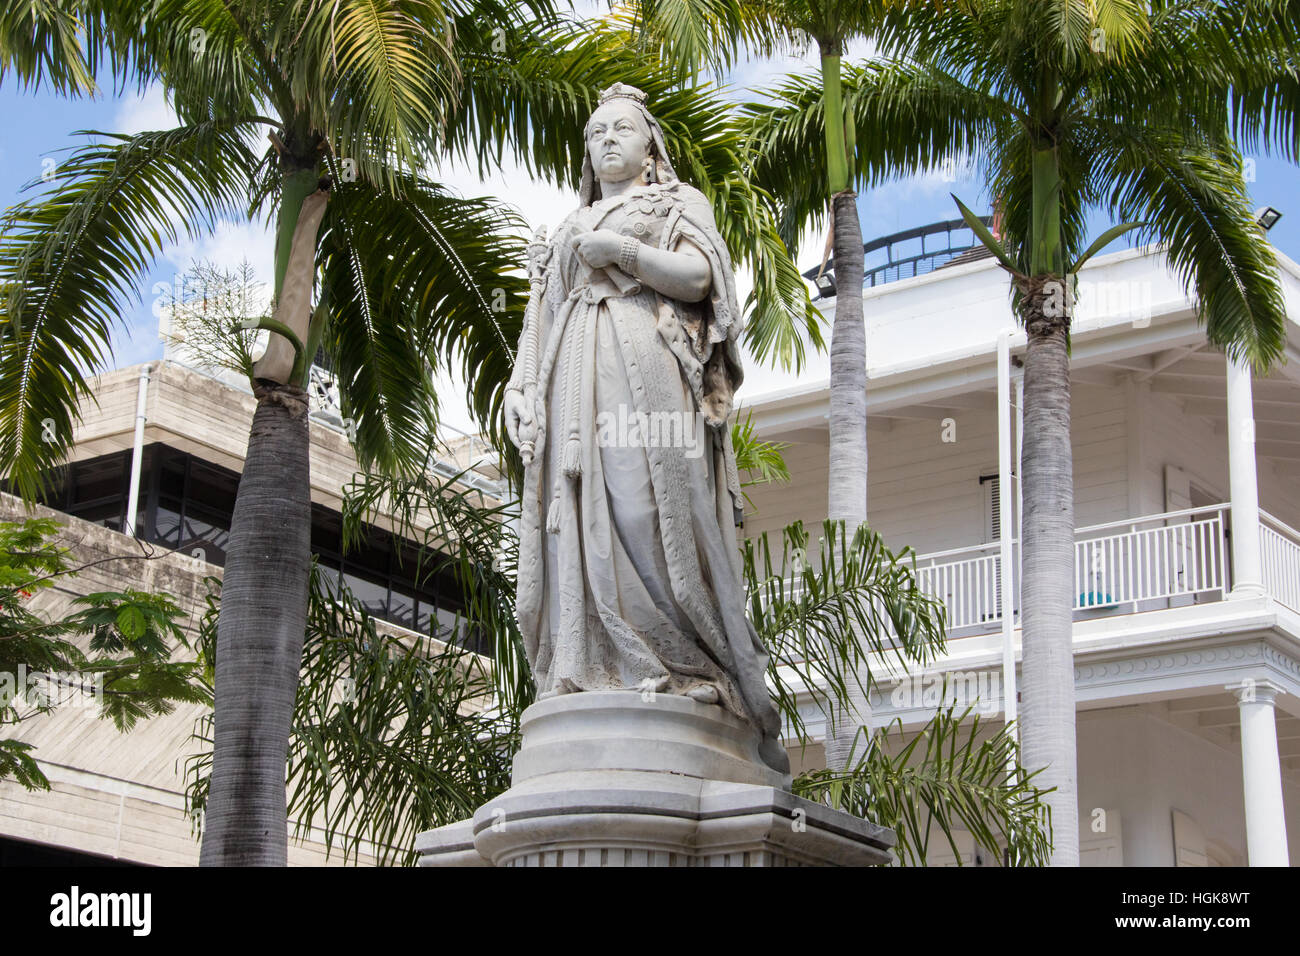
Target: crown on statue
(621, 91)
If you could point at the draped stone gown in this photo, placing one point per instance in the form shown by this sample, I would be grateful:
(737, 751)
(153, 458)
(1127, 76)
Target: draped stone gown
(629, 570)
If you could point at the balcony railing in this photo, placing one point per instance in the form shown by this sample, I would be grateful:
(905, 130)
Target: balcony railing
(913, 252)
(1175, 557)
(1280, 551)
(968, 580)
(1171, 559)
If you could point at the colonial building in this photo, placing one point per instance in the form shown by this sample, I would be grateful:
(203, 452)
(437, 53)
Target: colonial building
(1187, 557)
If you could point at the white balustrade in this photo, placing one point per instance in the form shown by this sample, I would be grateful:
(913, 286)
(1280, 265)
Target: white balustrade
(1171, 555)
(1280, 553)
(1147, 563)
(967, 581)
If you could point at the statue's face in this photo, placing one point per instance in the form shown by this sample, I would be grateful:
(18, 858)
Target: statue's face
(618, 142)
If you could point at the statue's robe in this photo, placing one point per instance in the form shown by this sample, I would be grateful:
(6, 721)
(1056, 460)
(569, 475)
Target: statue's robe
(636, 583)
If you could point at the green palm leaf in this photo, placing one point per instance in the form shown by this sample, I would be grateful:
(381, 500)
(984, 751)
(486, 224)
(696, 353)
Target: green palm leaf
(908, 116)
(1196, 203)
(951, 774)
(440, 293)
(71, 260)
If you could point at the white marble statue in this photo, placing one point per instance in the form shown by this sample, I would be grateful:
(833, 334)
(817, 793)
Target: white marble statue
(629, 573)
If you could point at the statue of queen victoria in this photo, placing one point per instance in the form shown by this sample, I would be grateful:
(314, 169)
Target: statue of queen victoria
(629, 573)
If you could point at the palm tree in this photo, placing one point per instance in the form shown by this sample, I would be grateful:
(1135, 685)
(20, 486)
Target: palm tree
(830, 23)
(1071, 106)
(355, 98)
(353, 101)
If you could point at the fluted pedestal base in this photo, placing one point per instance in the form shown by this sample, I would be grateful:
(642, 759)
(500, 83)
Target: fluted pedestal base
(614, 779)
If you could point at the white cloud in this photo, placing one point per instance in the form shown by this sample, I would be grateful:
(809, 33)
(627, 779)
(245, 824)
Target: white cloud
(231, 244)
(540, 203)
(140, 113)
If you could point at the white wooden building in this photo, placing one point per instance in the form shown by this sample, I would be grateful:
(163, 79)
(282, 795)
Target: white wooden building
(1187, 562)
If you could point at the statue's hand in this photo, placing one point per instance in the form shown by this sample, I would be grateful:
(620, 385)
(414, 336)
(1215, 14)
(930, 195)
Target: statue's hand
(598, 249)
(519, 418)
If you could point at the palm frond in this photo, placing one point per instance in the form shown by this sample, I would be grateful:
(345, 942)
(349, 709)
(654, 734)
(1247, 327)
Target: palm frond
(391, 736)
(1195, 202)
(441, 292)
(376, 78)
(41, 42)
(689, 36)
(70, 261)
(466, 543)
(951, 774)
(761, 461)
(907, 116)
(825, 616)
(208, 56)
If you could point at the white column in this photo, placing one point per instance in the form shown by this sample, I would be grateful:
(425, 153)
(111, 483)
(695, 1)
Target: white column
(1261, 774)
(1005, 483)
(1247, 573)
(137, 449)
(1020, 467)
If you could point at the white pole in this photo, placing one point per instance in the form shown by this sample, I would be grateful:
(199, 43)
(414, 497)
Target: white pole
(1005, 484)
(137, 451)
(1247, 568)
(1020, 488)
(1261, 774)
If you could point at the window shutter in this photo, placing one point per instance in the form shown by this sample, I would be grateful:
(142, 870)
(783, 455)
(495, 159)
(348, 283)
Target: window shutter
(991, 485)
(995, 507)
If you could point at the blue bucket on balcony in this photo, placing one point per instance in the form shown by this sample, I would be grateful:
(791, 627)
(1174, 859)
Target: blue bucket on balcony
(1097, 601)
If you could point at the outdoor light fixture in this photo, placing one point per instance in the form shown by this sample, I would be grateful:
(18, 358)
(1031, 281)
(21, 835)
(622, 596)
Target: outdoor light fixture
(825, 285)
(1267, 217)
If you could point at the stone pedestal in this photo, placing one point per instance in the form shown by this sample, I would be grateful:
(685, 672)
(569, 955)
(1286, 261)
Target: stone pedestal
(613, 778)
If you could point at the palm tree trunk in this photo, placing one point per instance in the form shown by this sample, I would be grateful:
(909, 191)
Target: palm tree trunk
(1047, 716)
(259, 638)
(263, 614)
(847, 478)
(847, 484)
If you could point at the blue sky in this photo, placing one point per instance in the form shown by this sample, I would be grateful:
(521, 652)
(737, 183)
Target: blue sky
(39, 125)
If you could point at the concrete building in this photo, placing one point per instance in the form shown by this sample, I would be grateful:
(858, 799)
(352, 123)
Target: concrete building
(148, 496)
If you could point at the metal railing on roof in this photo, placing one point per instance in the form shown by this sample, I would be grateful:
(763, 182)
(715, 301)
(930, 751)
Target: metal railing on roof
(941, 243)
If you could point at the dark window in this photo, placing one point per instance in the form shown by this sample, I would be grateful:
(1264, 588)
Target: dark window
(15, 852)
(326, 532)
(401, 607)
(166, 522)
(370, 594)
(207, 532)
(186, 504)
(92, 490)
